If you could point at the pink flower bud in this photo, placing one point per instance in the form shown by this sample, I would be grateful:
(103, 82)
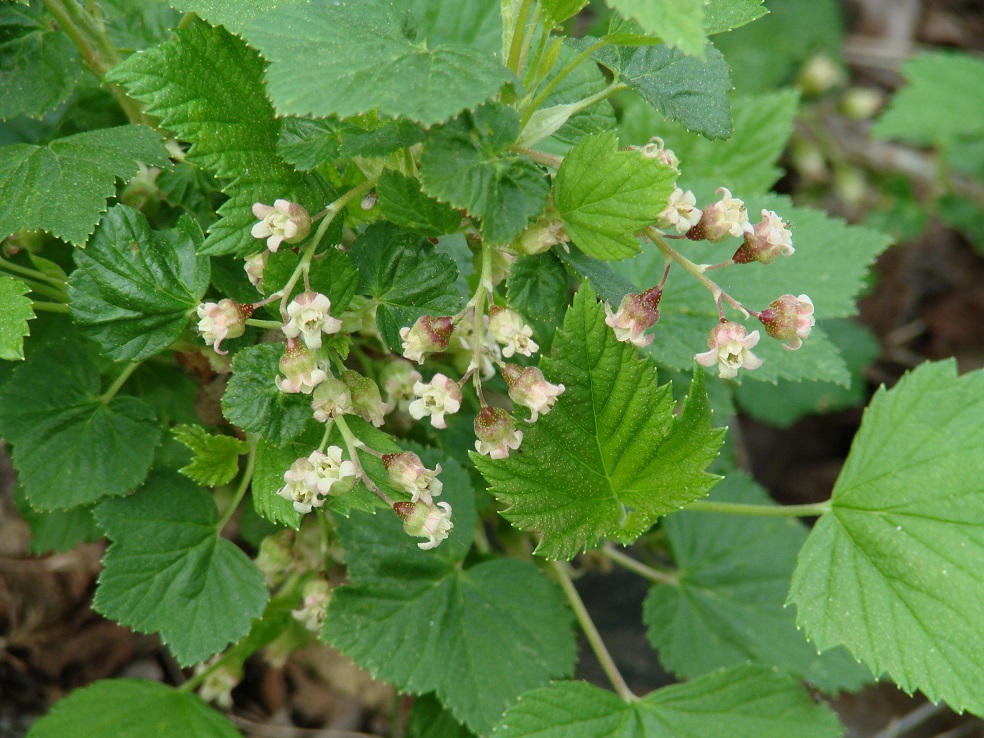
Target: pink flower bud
(730, 349)
(496, 432)
(284, 221)
(424, 520)
(221, 320)
(408, 472)
(636, 314)
(428, 335)
(789, 319)
(437, 398)
(255, 264)
(309, 318)
(719, 220)
(529, 388)
(769, 238)
(366, 401)
(508, 328)
(299, 366)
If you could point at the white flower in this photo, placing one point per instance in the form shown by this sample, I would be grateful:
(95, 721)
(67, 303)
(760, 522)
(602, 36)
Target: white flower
(310, 318)
(437, 398)
(297, 490)
(398, 379)
(428, 334)
(507, 327)
(730, 349)
(255, 264)
(329, 473)
(496, 433)
(331, 398)
(727, 217)
(285, 221)
(636, 314)
(314, 608)
(221, 320)
(681, 212)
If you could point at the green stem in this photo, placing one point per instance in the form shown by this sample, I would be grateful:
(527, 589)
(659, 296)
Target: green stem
(118, 383)
(352, 445)
(516, 45)
(591, 632)
(478, 303)
(43, 289)
(258, 323)
(241, 490)
(548, 160)
(31, 273)
(647, 572)
(772, 511)
(51, 307)
(558, 78)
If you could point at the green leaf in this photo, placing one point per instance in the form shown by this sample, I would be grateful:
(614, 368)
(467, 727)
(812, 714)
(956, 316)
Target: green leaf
(168, 571)
(942, 98)
(612, 456)
(268, 477)
(428, 719)
(691, 91)
(743, 702)
(537, 287)
(57, 530)
(726, 606)
(609, 284)
(332, 274)
(422, 621)
(135, 289)
(132, 708)
(71, 448)
(895, 570)
(387, 138)
(62, 187)
(39, 66)
(402, 202)
(721, 16)
(679, 23)
(466, 163)
(235, 15)
(557, 11)
(341, 59)
(15, 311)
(255, 403)
(406, 277)
(605, 195)
(206, 86)
(216, 460)
(307, 144)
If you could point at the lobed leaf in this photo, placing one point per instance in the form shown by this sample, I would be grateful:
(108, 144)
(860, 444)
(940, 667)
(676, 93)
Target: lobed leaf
(538, 286)
(216, 458)
(402, 202)
(15, 311)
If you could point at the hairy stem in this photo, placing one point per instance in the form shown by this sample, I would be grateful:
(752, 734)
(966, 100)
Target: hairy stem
(241, 490)
(637, 567)
(558, 78)
(772, 511)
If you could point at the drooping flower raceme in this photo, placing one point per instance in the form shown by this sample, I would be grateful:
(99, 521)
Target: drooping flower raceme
(529, 388)
(496, 432)
(437, 398)
(310, 318)
(768, 238)
(508, 328)
(221, 320)
(789, 319)
(730, 349)
(283, 221)
(425, 520)
(408, 472)
(636, 314)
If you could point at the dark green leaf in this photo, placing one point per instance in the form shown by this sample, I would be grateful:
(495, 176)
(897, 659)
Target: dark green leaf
(428, 719)
(15, 311)
(537, 287)
(609, 284)
(388, 138)
(402, 202)
(721, 16)
(268, 477)
(57, 530)
(307, 144)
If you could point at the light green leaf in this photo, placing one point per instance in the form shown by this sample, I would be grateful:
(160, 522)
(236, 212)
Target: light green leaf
(216, 458)
(581, 83)
(537, 287)
(135, 289)
(62, 187)
(56, 530)
(726, 606)
(168, 571)
(895, 570)
(132, 708)
(343, 59)
(235, 15)
(402, 202)
(721, 16)
(679, 23)
(942, 98)
(71, 448)
(557, 11)
(743, 702)
(255, 403)
(15, 311)
(406, 277)
(465, 163)
(612, 456)
(605, 195)
(206, 86)
(422, 621)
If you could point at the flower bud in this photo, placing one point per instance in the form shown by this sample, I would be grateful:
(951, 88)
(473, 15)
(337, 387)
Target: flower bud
(408, 473)
(366, 400)
(636, 314)
(274, 558)
(428, 335)
(719, 220)
(437, 398)
(769, 238)
(730, 349)
(299, 366)
(529, 388)
(314, 607)
(218, 685)
(331, 397)
(508, 328)
(221, 320)
(423, 520)
(309, 318)
(496, 433)
(656, 149)
(398, 378)
(541, 236)
(681, 212)
(789, 319)
(255, 264)
(284, 221)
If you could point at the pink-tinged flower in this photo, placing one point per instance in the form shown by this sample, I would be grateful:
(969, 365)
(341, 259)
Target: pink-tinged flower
(408, 472)
(507, 327)
(529, 388)
(437, 398)
(656, 149)
(424, 520)
(636, 314)
(789, 319)
(462, 349)
(730, 349)
(309, 318)
(296, 489)
(366, 401)
(767, 239)
(221, 320)
(496, 433)
(681, 212)
(255, 264)
(721, 219)
(314, 606)
(428, 335)
(329, 474)
(398, 378)
(299, 366)
(284, 221)
(331, 397)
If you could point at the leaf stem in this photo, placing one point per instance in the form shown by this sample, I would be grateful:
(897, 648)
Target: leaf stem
(46, 290)
(563, 572)
(106, 397)
(558, 78)
(258, 323)
(516, 45)
(241, 490)
(51, 307)
(539, 157)
(814, 509)
(637, 567)
(31, 273)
